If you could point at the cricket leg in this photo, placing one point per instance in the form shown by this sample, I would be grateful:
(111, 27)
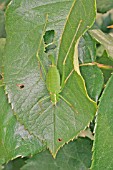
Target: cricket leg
(42, 99)
(68, 103)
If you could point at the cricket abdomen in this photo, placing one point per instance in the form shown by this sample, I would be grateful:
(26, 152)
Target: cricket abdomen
(53, 82)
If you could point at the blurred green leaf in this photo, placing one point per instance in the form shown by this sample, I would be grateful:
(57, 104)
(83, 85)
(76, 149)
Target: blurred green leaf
(74, 156)
(15, 164)
(3, 4)
(103, 143)
(108, 65)
(100, 51)
(104, 5)
(105, 39)
(1, 167)
(104, 20)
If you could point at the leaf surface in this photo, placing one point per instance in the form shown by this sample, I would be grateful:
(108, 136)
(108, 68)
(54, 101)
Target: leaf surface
(94, 80)
(104, 5)
(74, 156)
(15, 141)
(103, 144)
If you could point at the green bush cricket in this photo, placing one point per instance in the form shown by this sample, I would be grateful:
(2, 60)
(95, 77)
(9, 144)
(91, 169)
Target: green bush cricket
(53, 83)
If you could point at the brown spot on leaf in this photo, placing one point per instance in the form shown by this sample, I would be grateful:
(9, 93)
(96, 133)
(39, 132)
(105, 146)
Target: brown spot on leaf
(21, 86)
(59, 140)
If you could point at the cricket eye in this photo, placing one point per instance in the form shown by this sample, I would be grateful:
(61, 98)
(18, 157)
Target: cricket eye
(21, 86)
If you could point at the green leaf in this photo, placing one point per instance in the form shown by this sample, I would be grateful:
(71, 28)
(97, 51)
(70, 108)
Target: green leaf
(106, 65)
(104, 5)
(103, 144)
(76, 25)
(15, 164)
(25, 83)
(15, 141)
(103, 21)
(91, 73)
(87, 49)
(105, 39)
(100, 51)
(74, 156)
(94, 80)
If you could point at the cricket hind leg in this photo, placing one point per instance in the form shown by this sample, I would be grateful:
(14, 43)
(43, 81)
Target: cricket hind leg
(43, 99)
(73, 108)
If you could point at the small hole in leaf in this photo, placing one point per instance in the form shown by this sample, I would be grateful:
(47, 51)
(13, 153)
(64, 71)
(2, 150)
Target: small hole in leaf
(49, 40)
(59, 140)
(21, 86)
(49, 36)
